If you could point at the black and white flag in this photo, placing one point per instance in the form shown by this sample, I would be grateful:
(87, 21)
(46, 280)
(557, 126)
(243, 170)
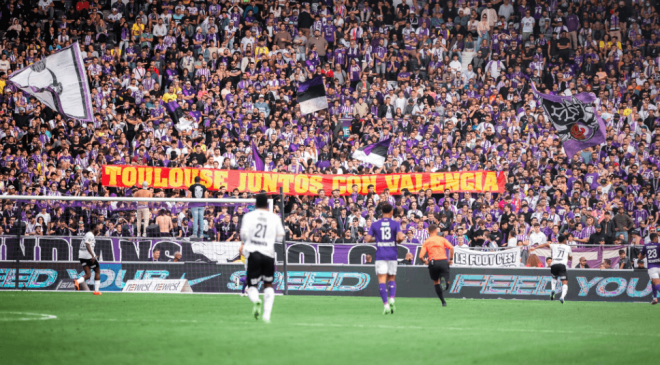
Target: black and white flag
(311, 95)
(60, 82)
(375, 154)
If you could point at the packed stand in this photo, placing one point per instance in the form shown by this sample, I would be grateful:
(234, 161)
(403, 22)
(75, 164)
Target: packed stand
(449, 82)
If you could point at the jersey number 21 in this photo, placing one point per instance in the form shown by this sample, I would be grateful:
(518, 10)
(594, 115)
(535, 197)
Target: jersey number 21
(261, 231)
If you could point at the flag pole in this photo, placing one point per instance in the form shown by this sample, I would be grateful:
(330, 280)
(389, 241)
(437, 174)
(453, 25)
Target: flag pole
(284, 258)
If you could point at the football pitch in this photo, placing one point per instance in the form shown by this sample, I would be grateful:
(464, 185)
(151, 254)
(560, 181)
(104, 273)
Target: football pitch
(116, 328)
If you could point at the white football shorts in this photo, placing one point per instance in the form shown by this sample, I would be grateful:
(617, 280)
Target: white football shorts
(386, 267)
(654, 272)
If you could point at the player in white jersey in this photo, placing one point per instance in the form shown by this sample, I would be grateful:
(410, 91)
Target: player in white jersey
(561, 253)
(89, 260)
(260, 230)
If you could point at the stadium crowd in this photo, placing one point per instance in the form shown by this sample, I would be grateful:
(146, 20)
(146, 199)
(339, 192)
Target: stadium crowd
(449, 82)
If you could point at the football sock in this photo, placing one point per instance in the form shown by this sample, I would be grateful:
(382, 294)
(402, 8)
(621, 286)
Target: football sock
(81, 280)
(438, 290)
(243, 281)
(253, 294)
(97, 285)
(269, 297)
(564, 290)
(391, 286)
(553, 284)
(382, 288)
(657, 290)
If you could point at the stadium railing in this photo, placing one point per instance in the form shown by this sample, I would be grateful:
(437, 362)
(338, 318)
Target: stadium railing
(119, 213)
(31, 215)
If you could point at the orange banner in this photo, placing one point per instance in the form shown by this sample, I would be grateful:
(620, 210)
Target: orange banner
(301, 184)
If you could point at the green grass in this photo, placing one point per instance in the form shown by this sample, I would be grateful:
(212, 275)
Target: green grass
(218, 329)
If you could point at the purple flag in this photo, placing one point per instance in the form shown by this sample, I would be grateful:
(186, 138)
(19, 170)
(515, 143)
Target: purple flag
(258, 162)
(577, 123)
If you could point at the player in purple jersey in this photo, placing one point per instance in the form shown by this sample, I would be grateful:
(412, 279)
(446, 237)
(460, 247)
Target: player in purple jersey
(386, 233)
(652, 253)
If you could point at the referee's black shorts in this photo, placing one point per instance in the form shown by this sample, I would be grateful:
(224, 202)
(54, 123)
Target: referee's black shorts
(259, 268)
(439, 269)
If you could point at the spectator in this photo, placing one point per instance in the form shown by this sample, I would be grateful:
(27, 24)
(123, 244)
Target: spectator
(624, 262)
(332, 237)
(143, 213)
(197, 191)
(537, 237)
(533, 261)
(348, 238)
(164, 222)
(582, 264)
(410, 239)
(408, 260)
(606, 264)
(622, 224)
(177, 257)
(156, 256)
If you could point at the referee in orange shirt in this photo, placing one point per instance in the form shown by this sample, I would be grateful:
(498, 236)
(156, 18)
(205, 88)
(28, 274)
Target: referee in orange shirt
(436, 247)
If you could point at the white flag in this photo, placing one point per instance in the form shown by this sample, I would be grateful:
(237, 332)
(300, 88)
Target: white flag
(59, 81)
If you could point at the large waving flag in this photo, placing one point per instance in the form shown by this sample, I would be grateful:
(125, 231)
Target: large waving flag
(577, 123)
(60, 82)
(181, 123)
(311, 95)
(375, 154)
(258, 162)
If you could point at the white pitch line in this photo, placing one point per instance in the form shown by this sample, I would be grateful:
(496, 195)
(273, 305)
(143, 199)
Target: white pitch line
(515, 330)
(31, 317)
(141, 320)
(38, 316)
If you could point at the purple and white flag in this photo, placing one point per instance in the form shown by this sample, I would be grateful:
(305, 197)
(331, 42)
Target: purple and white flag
(577, 123)
(311, 95)
(258, 162)
(59, 81)
(181, 123)
(375, 154)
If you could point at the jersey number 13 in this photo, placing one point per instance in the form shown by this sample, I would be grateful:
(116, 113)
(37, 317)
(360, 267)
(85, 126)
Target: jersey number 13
(386, 233)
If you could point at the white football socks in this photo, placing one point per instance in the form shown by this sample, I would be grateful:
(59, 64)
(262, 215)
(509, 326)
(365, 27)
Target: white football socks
(269, 298)
(253, 294)
(564, 290)
(97, 285)
(553, 284)
(81, 280)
